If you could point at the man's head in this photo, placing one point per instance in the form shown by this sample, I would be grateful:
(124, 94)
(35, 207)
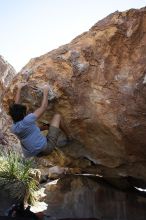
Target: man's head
(17, 112)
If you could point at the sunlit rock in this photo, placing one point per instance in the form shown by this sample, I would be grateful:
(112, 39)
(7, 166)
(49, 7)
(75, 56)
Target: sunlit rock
(98, 83)
(7, 139)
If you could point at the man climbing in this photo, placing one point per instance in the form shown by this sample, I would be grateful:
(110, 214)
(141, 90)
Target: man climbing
(24, 127)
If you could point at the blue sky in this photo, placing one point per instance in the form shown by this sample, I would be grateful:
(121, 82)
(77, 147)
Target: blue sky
(30, 28)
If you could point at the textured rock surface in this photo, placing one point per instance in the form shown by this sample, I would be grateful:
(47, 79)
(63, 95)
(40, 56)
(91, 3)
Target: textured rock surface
(9, 195)
(7, 73)
(78, 197)
(98, 83)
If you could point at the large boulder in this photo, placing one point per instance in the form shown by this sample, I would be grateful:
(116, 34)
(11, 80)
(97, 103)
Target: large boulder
(98, 83)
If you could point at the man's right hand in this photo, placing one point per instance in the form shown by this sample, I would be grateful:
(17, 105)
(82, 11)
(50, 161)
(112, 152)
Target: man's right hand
(19, 87)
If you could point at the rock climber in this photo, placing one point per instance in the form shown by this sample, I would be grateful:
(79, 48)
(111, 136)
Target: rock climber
(33, 142)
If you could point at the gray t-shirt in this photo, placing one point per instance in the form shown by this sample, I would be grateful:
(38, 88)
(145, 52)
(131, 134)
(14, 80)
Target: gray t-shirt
(32, 141)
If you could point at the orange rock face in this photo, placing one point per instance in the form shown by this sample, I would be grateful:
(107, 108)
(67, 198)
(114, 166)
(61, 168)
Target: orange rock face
(98, 83)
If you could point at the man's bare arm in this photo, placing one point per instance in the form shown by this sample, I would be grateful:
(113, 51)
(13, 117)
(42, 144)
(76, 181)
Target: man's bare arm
(44, 104)
(18, 93)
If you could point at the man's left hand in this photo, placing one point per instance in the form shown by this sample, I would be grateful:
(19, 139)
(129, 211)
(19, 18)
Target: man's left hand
(21, 85)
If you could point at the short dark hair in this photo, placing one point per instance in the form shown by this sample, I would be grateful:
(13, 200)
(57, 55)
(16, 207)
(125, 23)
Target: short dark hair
(17, 112)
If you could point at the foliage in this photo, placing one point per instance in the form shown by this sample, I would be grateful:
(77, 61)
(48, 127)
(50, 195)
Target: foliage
(14, 168)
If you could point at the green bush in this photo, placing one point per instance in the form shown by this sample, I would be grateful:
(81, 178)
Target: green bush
(14, 168)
